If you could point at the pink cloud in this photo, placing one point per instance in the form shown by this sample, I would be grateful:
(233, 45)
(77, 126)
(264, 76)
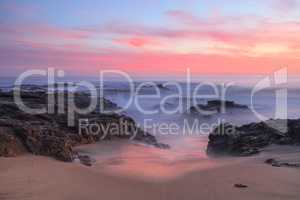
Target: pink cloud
(137, 42)
(188, 26)
(159, 32)
(44, 36)
(47, 46)
(85, 63)
(243, 32)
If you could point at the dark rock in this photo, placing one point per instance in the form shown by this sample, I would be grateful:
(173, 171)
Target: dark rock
(284, 141)
(50, 135)
(226, 104)
(240, 186)
(252, 138)
(270, 161)
(249, 151)
(273, 162)
(10, 146)
(162, 146)
(59, 148)
(86, 160)
(44, 141)
(215, 106)
(161, 86)
(276, 163)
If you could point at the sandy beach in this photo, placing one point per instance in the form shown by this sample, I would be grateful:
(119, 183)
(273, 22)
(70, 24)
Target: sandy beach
(36, 177)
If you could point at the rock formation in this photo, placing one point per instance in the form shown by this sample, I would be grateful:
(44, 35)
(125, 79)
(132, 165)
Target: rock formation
(215, 106)
(250, 139)
(50, 135)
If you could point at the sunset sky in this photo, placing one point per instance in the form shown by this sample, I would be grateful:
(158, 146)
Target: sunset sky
(150, 37)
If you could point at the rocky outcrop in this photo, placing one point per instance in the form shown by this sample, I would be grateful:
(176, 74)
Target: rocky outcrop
(10, 145)
(250, 139)
(162, 86)
(38, 137)
(277, 163)
(50, 135)
(215, 106)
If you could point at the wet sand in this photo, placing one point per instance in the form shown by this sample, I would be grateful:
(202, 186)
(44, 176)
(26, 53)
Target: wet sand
(36, 177)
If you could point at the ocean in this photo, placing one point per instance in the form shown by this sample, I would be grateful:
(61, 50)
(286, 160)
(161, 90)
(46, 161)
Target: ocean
(171, 103)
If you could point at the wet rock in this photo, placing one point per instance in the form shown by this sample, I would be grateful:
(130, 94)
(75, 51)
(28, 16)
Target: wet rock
(44, 141)
(215, 106)
(162, 146)
(58, 148)
(86, 160)
(273, 162)
(270, 161)
(250, 139)
(227, 104)
(10, 146)
(162, 86)
(50, 135)
(248, 151)
(277, 163)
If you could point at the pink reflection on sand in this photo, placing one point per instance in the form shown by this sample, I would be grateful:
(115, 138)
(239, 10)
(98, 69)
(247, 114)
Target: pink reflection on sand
(123, 158)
